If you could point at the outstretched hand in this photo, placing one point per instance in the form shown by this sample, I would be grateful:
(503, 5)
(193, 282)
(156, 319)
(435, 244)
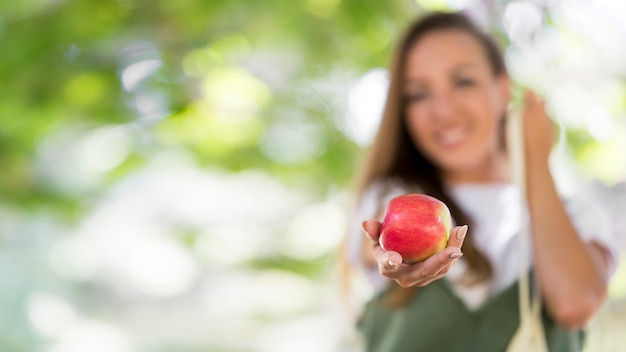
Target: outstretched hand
(391, 264)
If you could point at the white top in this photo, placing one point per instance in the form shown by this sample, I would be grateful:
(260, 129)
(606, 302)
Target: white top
(497, 218)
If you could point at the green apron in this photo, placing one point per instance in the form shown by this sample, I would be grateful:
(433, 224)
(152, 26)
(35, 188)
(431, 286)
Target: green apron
(436, 320)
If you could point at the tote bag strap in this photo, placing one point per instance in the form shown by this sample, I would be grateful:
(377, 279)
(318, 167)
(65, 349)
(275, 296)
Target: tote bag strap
(530, 334)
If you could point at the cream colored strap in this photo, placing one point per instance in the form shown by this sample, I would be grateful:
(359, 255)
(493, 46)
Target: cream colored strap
(529, 335)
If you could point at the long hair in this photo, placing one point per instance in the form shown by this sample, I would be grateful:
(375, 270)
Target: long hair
(394, 155)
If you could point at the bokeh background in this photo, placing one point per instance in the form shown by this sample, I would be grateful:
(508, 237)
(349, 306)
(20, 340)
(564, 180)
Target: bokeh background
(176, 175)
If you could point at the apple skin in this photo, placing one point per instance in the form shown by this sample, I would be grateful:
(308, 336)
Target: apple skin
(416, 226)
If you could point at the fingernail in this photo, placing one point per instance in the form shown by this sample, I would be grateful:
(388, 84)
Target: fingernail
(392, 263)
(455, 255)
(363, 226)
(460, 235)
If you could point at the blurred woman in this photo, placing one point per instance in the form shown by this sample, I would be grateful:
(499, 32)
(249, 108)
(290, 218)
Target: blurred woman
(442, 134)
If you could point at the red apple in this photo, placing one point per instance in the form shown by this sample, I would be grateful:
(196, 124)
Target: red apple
(416, 226)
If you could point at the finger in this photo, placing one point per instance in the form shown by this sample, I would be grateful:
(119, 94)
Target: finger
(534, 102)
(532, 98)
(457, 236)
(389, 262)
(436, 277)
(371, 229)
(446, 268)
(433, 265)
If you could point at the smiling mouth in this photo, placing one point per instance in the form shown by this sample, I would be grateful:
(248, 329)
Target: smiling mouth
(451, 137)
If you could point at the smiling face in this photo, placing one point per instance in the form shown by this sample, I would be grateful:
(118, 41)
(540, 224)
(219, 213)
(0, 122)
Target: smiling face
(454, 105)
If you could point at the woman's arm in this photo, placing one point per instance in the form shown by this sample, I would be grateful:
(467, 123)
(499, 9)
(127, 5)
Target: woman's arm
(573, 275)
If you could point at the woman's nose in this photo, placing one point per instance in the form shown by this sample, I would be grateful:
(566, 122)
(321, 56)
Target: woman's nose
(441, 106)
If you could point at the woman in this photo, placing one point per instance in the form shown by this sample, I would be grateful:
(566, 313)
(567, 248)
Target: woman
(442, 134)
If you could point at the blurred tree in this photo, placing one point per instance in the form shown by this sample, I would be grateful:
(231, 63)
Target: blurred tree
(165, 67)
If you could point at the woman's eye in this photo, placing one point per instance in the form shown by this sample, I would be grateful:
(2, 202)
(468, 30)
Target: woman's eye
(464, 82)
(415, 97)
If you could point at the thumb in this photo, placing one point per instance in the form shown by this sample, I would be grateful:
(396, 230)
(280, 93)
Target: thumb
(390, 261)
(371, 229)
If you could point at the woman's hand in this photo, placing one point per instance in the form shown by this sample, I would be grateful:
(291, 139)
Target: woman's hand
(538, 131)
(391, 265)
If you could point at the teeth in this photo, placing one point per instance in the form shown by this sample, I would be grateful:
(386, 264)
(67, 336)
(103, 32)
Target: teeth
(452, 136)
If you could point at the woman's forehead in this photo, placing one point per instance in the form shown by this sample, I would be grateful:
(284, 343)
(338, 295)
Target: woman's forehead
(455, 49)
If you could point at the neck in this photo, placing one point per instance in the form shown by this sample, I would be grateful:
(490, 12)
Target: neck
(493, 170)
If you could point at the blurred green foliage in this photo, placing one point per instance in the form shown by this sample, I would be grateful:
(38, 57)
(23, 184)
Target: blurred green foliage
(217, 77)
(61, 64)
